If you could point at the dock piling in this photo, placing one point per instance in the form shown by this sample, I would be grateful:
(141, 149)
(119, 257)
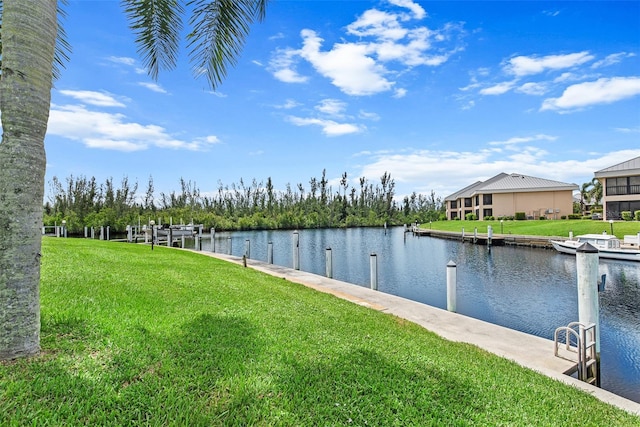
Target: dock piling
(451, 286)
(328, 263)
(296, 250)
(373, 269)
(588, 304)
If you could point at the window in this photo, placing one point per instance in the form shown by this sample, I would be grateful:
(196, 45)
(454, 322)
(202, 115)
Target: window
(453, 204)
(487, 212)
(617, 186)
(467, 202)
(634, 185)
(487, 199)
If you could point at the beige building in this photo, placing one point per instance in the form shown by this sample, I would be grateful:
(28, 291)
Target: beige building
(505, 194)
(620, 188)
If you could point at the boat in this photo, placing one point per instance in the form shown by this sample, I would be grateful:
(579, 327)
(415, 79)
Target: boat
(608, 246)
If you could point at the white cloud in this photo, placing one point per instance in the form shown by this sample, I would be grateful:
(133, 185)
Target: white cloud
(288, 104)
(499, 89)
(378, 24)
(112, 131)
(347, 65)
(629, 130)
(387, 46)
(601, 91)
(527, 65)
(446, 172)
(282, 65)
(152, 86)
(329, 127)
(113, 144)
(122, 60)
(418, 11)
(614, 58)
(367, 115)
(521, 140)
(399, 93)
(277, 36)
(100, 99)
(332, 107)
(551, 12)
(532, 88)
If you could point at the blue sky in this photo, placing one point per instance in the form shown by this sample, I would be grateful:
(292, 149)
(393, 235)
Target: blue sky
(438, 94)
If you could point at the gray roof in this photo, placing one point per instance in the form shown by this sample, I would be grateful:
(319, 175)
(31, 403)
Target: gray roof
(512, 183)
(630, 167)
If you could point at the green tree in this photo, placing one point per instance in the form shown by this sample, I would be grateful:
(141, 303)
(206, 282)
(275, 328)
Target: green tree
(596, 191)
(29, 34)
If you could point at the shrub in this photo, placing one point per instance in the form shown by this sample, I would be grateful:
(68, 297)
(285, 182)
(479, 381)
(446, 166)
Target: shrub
(563, 217)
(626, 215)
(520, 216)
(575, 216)
(470, 217)
(637, 215)
(542, 218)
(488, 218)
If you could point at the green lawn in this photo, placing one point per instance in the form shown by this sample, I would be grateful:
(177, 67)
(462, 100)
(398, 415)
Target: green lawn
(541, 228)
(132, 336)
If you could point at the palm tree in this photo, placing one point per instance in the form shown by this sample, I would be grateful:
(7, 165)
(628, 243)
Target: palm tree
(596, 191)
(585, 192)
(28, 36)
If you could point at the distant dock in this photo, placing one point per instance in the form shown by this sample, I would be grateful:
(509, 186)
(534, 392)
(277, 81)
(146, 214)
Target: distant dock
(483, 239)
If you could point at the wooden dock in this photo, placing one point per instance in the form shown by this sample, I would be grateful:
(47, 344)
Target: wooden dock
(483, 239)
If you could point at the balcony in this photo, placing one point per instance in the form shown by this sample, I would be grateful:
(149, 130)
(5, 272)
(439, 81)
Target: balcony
(621, 190)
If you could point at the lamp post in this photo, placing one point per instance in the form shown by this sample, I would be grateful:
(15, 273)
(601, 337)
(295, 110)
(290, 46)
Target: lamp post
(152, 223)
(611, 224)
(64, 228)
(502, 226)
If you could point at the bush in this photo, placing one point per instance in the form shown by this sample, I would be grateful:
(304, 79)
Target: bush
(542, 218)
(563, 217)
(575, 216)
(489, 218)
(626, 215)
(520, 216)
(470, 217)
(637, 215)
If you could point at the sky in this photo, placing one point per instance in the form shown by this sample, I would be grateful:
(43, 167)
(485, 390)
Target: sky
(438, 94)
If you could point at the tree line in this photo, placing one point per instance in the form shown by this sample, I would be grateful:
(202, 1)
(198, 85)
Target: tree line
(83, 202)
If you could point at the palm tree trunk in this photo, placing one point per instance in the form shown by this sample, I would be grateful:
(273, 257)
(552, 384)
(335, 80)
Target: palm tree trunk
(29, 29)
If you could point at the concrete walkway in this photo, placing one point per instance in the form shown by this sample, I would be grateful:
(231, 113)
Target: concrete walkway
(527, 350)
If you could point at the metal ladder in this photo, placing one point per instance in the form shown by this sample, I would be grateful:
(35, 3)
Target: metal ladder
(585, 349)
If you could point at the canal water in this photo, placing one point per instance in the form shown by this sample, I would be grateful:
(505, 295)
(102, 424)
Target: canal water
(528, 289)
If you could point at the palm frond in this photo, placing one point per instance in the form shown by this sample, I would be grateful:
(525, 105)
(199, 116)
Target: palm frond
(219, 30)
(63, 47)
(157, 25)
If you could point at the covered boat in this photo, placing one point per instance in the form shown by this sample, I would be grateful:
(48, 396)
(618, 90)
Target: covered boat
(608, 246)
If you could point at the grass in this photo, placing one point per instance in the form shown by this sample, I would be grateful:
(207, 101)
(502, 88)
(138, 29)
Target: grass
(541, 228)
(132, 336)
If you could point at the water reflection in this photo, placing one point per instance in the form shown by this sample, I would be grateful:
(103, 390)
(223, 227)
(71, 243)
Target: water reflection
(527, 289)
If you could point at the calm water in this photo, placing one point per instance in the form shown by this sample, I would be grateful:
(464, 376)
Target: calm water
(527, 289)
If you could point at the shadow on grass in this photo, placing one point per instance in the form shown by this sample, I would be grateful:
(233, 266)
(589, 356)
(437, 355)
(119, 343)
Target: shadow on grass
(86, 376)
(365, 388)
(212, 345)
